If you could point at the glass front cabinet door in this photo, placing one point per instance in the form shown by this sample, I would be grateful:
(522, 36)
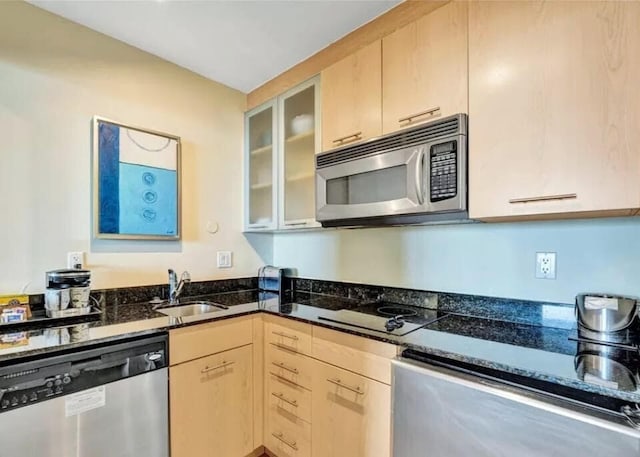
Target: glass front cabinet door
(299, 142)
(282, 139)
(261, 176)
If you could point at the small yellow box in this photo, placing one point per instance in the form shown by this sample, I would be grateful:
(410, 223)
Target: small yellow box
(14, 308)
(14, 300)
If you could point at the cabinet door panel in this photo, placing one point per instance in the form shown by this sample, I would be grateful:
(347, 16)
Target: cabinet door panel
(425, 67)
(212, 405)
(261, 168)
(352, 98)
(351, 414)
(298, 142)
(553, 108)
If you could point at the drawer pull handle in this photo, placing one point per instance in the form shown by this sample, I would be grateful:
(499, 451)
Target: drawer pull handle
(284, 347)
(420, 114)
(217, 367)
(544, 198)
(291, 444)
(282, 334)
(285, 380)
(295, 224)
(349, 138)
(339, 383)
(284, 367)
(280, 396)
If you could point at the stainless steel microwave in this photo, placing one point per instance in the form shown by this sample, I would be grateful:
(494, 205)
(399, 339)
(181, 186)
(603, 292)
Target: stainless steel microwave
(418, 175)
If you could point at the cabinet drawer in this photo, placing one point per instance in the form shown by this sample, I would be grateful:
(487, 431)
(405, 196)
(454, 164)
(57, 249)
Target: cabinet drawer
(288, 399)
(290, 366)
(361, 355)
(287, 437)
(291, 335)
(190, 343)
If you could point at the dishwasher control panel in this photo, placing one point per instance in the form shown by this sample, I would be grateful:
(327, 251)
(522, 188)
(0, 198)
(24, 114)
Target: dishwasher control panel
(27, 391)
(24, 384)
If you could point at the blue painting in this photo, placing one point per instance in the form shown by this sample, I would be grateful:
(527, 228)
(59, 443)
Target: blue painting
(137, 177)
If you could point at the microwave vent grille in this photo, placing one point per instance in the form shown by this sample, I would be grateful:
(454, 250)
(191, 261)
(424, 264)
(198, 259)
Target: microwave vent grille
(407, 138)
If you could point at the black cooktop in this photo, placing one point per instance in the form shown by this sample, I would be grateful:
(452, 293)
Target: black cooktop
(386, 317)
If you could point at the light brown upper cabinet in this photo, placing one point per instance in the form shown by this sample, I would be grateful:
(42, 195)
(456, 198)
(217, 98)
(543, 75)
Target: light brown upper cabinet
(351, 98)
(554, 109)
(424, 69)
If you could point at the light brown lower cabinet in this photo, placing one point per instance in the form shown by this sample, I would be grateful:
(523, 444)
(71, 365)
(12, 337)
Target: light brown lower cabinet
(211, 405)
(268, 386)
(351, 414)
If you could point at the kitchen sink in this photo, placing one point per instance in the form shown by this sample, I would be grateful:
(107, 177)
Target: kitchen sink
(192, 309)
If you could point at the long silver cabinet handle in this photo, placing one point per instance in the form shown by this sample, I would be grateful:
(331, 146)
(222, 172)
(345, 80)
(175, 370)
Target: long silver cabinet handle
(280, 396)
(286, 335)
(284, 380)
(295, 224)
(291, 444)
(352, 137)
(217, 367)
(419, 172)
(285, 367)
(339, 383)
(284, 347)
(420, 114)
(544, 198)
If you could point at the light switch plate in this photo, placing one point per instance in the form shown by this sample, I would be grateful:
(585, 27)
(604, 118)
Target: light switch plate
(225, 259)
(546, 265)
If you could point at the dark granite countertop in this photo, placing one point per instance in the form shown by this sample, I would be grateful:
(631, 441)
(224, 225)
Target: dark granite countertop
(539, 352)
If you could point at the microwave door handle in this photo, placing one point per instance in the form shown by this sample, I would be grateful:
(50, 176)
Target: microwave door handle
(419, 174)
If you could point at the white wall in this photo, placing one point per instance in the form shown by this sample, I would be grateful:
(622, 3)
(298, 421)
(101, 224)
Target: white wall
(485, 259)
(54, 76)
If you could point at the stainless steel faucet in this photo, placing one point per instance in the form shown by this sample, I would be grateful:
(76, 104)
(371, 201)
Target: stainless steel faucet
(175, 287)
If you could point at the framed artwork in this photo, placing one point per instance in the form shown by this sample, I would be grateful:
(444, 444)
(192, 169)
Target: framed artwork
(136, 182)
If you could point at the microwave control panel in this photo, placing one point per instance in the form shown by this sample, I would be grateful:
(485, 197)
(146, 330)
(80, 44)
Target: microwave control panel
(443, 162)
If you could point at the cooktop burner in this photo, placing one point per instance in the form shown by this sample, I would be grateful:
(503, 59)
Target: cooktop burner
(385, 317)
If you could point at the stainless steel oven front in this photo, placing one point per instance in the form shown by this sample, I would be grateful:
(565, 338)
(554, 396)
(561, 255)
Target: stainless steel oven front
(417, 175)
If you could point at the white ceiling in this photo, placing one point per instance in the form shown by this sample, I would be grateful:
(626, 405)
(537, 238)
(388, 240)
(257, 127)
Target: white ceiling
(239, 43)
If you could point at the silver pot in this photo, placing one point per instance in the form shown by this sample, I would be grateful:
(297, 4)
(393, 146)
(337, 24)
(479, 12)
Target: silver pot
(606, 313)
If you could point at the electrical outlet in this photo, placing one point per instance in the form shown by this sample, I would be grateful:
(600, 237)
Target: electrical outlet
(75, 260)
(224, 259)
(546, 265)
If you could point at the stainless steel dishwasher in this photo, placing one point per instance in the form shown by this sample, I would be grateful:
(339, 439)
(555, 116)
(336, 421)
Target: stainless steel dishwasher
(97, 402)
(443, 412)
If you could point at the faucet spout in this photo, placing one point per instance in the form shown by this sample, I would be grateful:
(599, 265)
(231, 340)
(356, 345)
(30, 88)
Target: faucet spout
(175, 287)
